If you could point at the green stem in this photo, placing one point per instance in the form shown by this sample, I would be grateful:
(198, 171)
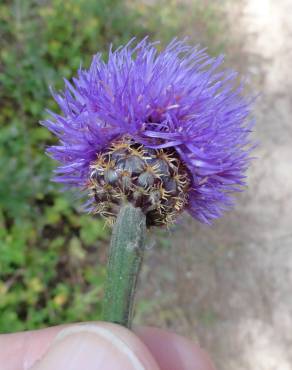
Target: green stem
(125, 259)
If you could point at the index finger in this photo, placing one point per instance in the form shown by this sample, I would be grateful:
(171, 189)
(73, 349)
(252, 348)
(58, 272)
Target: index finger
(172, 351)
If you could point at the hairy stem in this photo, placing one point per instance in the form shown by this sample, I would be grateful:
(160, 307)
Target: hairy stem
(124, 263)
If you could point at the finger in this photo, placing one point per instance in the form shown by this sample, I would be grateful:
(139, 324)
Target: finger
(173, 352)
(89, 346)
(21, 350)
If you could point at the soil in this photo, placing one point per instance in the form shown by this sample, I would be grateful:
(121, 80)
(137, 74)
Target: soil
(230, 286)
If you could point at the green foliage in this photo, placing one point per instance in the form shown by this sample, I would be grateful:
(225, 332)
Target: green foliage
(51, 268)
(201, 21)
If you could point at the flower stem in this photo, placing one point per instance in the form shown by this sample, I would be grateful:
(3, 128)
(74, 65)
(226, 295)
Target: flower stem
(124, 263)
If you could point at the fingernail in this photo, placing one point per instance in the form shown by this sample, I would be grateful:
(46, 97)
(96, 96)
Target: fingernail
(89, 347)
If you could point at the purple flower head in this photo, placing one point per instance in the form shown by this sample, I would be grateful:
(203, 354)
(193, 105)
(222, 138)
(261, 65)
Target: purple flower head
(179, 99)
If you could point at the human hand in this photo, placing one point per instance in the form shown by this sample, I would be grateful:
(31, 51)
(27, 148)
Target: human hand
(100, 346)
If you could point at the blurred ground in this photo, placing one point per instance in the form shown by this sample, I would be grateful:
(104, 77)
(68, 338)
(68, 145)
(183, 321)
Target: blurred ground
(230, 286)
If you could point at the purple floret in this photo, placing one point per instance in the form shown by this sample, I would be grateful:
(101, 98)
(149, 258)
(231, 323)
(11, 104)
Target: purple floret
(177, 98)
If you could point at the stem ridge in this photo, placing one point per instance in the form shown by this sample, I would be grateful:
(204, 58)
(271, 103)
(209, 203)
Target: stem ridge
(124, 264)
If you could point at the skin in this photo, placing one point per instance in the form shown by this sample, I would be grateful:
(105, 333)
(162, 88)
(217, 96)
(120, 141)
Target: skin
(100, 346)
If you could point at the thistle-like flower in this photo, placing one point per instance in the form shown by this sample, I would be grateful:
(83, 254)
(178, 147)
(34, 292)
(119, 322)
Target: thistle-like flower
(165, 131)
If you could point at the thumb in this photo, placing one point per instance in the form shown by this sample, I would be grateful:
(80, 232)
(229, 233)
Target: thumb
(101, 346)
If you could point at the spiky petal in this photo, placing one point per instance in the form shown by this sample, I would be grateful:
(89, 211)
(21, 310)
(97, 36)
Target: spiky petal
(179, 98)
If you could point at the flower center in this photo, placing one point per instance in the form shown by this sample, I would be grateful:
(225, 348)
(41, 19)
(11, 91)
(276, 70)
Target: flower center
(153, 179)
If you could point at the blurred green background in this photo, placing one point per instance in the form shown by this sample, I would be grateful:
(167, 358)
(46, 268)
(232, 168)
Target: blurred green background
(52, 258)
